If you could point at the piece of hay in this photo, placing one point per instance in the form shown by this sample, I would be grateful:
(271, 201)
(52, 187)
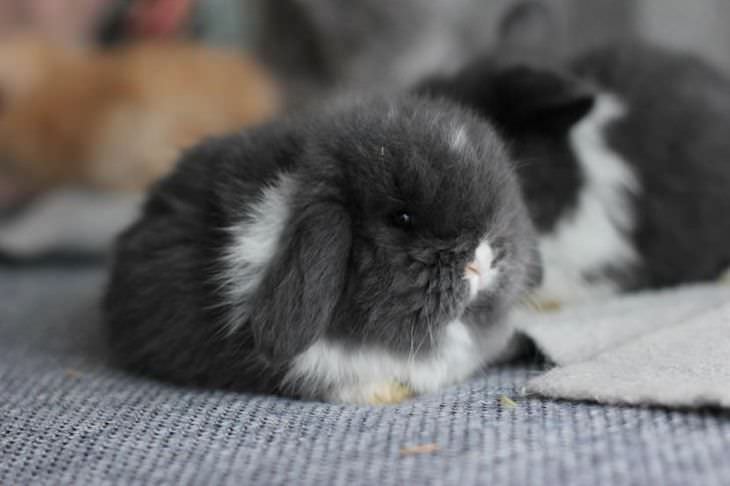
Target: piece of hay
(548, 305)
(72, 373)
(507, 402)
(419, 449)
(540, 304)
(390, 394)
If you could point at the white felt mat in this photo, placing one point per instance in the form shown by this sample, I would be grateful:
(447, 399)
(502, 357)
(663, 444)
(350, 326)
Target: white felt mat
(669, 348)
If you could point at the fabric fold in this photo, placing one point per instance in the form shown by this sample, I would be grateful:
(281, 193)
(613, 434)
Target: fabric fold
(669, 348)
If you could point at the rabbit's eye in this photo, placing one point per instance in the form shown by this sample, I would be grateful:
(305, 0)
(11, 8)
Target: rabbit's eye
(403, 219)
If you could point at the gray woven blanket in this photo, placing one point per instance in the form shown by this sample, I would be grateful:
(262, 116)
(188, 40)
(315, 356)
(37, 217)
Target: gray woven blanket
(66, 417)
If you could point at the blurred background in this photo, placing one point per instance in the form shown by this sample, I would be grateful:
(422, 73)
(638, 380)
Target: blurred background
(98, 97)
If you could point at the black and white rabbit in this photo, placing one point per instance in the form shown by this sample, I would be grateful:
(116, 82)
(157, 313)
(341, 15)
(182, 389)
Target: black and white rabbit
(624, 158)
(357, 255)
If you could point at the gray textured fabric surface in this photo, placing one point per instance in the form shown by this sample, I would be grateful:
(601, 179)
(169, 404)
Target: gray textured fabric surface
(67, 418)
(668, 348)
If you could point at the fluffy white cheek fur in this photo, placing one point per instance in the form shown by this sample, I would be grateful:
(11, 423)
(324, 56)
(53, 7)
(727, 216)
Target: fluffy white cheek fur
(255, 241)
(347, 375)
(595, 234)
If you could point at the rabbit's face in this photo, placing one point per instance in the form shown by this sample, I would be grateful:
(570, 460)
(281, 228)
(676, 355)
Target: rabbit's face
(434, 210)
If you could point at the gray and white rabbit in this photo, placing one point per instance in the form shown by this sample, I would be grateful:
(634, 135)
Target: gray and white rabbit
(358, 254)
(623, 156)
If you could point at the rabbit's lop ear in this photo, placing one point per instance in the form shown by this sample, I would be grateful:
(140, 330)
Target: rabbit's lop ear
(297, 297)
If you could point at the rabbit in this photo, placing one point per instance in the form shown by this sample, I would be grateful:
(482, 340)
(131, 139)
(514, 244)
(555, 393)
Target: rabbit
(361, 253)
(622, 155)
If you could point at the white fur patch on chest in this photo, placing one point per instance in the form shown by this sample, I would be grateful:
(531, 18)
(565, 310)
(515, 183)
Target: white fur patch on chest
(255, 241)
(597, 233)
(348, 374)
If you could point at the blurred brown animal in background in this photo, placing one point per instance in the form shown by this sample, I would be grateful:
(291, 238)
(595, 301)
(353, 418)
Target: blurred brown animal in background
(118, 119)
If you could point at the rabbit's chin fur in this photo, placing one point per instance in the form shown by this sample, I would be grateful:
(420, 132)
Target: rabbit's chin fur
(361, 375)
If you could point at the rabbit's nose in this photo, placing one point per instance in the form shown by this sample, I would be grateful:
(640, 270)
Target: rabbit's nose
(480, 272)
